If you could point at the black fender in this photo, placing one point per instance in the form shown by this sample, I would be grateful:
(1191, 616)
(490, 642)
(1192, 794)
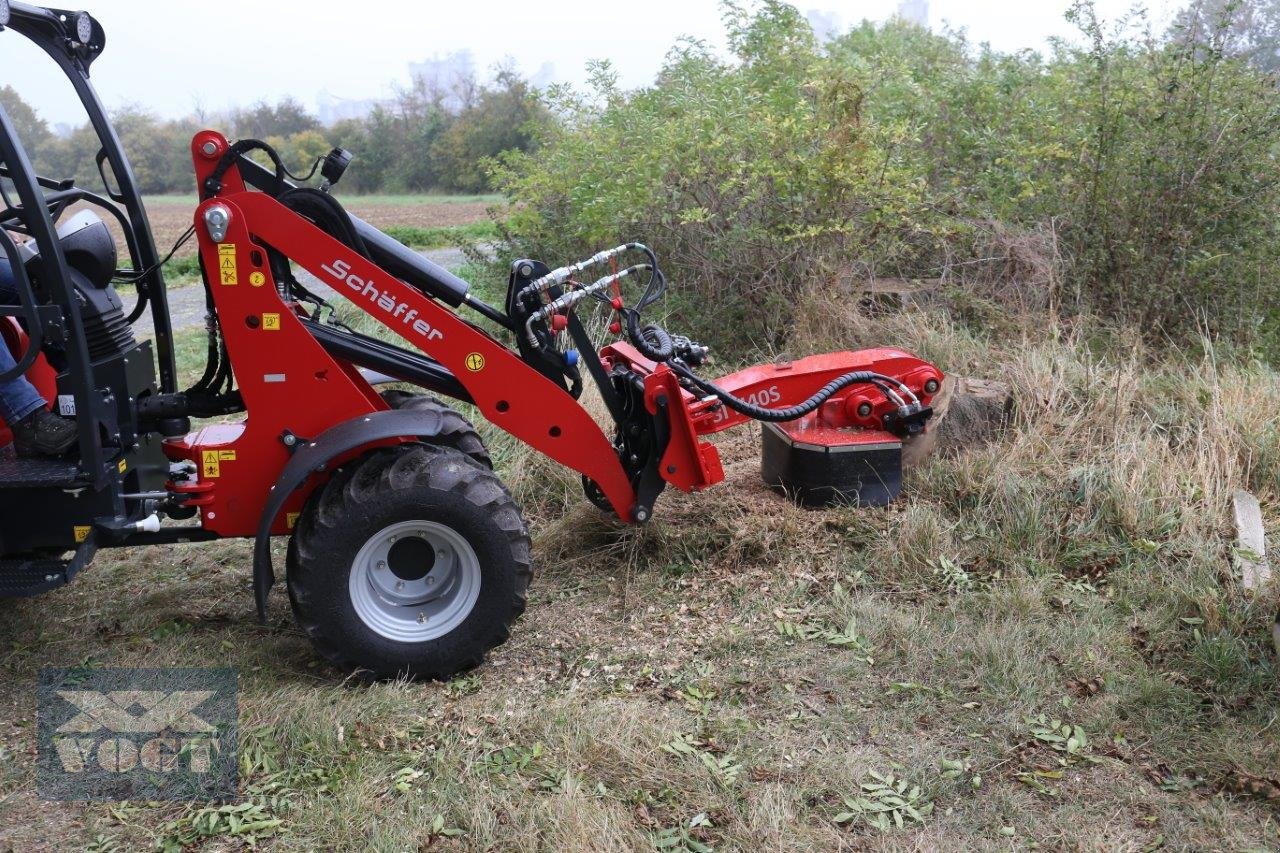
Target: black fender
(312, 456)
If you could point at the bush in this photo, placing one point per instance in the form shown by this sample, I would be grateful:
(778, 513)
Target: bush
(748, 178)
(1132, 177)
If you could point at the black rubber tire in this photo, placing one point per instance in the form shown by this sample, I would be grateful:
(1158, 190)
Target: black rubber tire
(410, 482)
(457, 432)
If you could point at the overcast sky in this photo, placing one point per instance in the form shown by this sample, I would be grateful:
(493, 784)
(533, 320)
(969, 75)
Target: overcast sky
(173, 56)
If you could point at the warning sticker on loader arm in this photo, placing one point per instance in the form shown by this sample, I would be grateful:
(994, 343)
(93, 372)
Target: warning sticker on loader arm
(211, 462)
(228, 273)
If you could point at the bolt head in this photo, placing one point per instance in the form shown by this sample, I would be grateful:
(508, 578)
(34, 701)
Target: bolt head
(210, 148)
(399, 584)
(382, 564)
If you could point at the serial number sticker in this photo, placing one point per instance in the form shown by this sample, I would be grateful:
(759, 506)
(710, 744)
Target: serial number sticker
(475, 362)
(291, 519)
(227, 270)
(210, 466)
(226, 455)
(257, 279)
(80, 532)
(271, 322)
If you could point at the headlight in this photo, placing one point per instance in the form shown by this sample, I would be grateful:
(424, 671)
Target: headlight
(84, 27)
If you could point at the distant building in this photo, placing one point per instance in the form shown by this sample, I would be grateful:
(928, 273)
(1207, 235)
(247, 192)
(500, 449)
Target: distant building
(331, 108)
(448, 75)
(916, 11)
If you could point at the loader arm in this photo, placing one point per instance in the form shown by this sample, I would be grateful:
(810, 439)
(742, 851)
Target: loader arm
(292, 386)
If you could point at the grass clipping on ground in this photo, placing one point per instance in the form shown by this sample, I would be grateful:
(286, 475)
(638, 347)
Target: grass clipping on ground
(1040, 643)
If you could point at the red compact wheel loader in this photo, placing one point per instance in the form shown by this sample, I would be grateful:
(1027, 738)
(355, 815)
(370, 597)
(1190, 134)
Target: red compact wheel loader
(406, 553)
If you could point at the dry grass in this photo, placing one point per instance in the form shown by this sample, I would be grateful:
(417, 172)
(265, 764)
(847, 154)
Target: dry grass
(1087, 546)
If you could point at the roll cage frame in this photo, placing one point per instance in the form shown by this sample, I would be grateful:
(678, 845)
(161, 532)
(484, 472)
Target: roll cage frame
(40, 200)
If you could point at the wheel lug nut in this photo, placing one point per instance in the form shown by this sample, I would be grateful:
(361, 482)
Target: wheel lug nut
(399, 584)
(382, 564)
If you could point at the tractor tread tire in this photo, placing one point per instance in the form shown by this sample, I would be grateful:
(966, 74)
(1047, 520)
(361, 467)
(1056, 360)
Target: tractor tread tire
(456, 431)
(380, 488)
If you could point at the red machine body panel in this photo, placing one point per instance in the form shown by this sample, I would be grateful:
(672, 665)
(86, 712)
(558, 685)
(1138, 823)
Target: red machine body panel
(40, 374)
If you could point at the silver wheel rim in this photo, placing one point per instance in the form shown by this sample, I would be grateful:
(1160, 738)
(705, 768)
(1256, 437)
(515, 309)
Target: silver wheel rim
(405, 592)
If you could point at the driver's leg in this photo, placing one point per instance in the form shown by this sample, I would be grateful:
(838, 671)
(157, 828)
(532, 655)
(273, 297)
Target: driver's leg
(36, 430)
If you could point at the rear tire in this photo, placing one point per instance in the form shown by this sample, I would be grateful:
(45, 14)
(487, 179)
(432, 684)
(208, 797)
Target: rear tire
(411, 561)
(456, 431)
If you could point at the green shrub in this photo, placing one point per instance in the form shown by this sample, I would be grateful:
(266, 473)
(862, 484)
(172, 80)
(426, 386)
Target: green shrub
(749, 178)
(1131, 176)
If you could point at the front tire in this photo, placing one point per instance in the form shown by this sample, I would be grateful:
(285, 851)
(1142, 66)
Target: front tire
(411, 561)
(455, 430)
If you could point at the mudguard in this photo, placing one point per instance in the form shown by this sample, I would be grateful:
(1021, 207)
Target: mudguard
(313, 456)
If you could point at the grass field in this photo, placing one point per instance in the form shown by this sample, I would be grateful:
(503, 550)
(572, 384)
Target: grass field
(422, 222)
(1039, 647)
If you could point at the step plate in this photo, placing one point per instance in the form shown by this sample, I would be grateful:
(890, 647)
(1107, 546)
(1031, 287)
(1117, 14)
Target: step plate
(25, 578)
(19, 473)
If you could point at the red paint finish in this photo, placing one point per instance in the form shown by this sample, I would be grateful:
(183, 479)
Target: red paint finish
(40, 374)
(292, 386)
(688, 464)
(290, 383)
(776, 386)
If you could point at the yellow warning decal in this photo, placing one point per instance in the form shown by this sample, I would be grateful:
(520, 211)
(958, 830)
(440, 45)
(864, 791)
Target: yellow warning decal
(122, 465)
(227, 455)
(257, 279)
(80, 532)
(475, 362)
(227, 271)
(291, 518)
(271, 322)
(211, 467)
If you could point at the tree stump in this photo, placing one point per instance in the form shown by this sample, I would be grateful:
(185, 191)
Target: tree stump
(967, 413)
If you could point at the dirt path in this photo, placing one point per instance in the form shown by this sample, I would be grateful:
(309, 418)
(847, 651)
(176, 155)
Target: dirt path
(186, 304)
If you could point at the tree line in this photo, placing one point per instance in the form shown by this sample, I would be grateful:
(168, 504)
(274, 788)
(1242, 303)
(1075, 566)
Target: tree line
(428, 138)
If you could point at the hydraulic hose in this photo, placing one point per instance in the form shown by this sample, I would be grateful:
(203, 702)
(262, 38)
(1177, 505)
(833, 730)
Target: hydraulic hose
(790, 413)
(652, 341)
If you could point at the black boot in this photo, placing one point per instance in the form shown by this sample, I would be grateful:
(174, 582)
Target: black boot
(42, 433)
